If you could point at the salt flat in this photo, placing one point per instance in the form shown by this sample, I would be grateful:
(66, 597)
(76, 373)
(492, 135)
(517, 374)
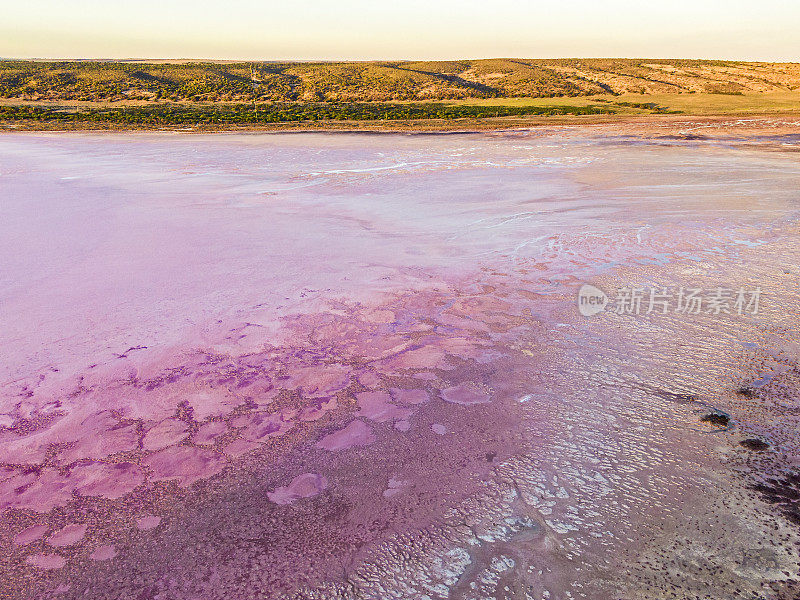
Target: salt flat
(353, 366)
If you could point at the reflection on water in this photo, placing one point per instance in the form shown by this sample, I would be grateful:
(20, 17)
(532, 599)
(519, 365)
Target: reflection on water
(352, 366)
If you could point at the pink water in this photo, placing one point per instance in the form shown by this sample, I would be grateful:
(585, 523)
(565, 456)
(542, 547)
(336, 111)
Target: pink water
(352, 365)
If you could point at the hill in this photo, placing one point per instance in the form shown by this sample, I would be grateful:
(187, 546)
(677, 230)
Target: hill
(104, 81)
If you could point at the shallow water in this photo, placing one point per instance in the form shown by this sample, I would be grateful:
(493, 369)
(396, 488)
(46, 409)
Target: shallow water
(353, 366)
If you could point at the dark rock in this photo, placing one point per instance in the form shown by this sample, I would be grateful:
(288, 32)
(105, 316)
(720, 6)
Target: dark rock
(716, 418)
(754, 444)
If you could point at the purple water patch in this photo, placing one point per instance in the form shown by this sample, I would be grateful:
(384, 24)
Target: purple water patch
(107, 480)
(438, 429)
(46, 561)
(207, 433)
(167, 433)
(466, 394)
(148, 522)
(302, 486)
(378, 407)
(30, 534)
(103, 553)
(412, 397)
(356, 433)
(68, 535)
(184, 464)
(318, 409)
(262, 426)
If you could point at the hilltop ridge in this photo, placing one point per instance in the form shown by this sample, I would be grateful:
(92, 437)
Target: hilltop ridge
(383, 81)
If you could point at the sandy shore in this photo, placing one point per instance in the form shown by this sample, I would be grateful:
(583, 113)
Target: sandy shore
(751, 123)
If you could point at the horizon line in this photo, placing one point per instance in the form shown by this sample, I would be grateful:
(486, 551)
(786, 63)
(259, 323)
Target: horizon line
(373, 60)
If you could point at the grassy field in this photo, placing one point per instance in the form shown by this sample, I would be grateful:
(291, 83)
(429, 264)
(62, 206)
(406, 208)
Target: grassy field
(694, 104)
(246, 114)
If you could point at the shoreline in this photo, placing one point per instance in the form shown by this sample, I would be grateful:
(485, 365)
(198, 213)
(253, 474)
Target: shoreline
(773, 122)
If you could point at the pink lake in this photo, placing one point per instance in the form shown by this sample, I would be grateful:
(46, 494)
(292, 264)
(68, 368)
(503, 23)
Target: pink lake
(352, 366)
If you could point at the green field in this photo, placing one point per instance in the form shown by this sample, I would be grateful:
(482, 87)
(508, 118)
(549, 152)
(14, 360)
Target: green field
(687, 103)
(245, 114)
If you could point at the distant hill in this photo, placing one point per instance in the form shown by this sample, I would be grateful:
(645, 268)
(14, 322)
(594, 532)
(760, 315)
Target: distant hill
(384, 81)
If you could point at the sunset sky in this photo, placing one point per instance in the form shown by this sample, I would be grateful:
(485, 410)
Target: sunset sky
(413, 29)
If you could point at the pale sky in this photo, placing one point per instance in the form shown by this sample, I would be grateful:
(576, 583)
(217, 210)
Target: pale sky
(407, 29)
